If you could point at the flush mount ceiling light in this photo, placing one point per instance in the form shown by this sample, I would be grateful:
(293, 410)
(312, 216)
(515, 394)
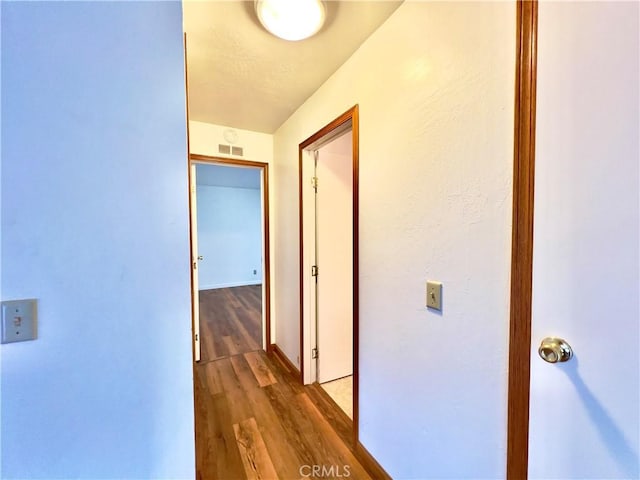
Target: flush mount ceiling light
(291, 19)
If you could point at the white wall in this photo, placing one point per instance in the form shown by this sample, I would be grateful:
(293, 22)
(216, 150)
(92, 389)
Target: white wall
(204, 139)
(435, 85)
(229, 236)
(586, 285)
(95, 226)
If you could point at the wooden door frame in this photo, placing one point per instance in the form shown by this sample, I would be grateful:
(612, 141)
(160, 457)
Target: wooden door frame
(195, 158)
(522, 241)
(350, 115)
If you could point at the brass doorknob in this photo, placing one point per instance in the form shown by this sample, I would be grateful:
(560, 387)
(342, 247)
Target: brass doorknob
(554, 350)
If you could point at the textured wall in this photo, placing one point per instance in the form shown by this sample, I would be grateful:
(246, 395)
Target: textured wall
(95, 226)
(435, 89)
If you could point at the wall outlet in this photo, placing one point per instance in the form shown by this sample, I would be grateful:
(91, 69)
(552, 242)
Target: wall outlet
(255, 272)
(19, 321)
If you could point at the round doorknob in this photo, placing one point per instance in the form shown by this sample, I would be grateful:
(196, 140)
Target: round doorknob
(554, 350)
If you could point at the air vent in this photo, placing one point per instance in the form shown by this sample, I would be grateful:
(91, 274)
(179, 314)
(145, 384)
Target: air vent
(226, 149)
(236, 151)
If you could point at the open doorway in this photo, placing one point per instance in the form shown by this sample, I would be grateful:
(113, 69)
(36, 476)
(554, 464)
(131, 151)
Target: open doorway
(329, 261)
(334, 294)
(229, 225)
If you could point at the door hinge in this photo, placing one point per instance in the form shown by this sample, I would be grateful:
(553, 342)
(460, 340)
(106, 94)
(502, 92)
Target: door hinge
(314, 353)
(196, 337)
(195, 265)
(314, 183)
(314, 271)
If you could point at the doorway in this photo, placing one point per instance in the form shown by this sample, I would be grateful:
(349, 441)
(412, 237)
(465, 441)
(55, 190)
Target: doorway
(230, 257)
(333, 250)
(329, 261)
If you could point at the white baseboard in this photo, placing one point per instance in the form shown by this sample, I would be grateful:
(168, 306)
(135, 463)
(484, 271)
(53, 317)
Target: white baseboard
(229, 285)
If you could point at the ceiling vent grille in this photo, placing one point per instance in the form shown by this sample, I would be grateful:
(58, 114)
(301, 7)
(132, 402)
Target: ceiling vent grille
(237, 151)
(229, 150)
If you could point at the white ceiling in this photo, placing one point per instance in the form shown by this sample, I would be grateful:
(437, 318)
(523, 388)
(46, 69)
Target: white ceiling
(243, 77)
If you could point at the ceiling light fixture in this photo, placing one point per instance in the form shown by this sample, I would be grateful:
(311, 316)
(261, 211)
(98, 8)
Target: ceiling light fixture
(291, 19)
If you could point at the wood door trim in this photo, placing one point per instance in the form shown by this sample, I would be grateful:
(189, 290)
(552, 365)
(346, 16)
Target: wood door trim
(227, 161)
(267, 242)
(350, 115)
(355, 135)
(522, 241)
(324, 131)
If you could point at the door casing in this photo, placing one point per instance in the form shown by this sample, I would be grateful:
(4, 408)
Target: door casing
(522, 241)
(266, 307)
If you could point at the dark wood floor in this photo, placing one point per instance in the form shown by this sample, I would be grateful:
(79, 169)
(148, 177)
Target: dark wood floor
(254, 420)
(230, 321)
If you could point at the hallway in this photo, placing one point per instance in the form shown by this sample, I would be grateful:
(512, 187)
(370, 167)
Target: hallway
(253, 418)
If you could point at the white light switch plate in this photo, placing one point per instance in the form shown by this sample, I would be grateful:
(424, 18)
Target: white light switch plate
(19, 321)
(434, 295)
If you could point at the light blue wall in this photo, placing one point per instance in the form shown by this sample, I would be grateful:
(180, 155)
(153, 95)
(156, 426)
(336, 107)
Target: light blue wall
(229, 235)
(228, 176)
(0, 232)
(94, 224)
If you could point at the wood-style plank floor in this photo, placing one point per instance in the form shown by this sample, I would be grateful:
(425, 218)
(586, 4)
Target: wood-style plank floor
(254, 420)
(230, 321)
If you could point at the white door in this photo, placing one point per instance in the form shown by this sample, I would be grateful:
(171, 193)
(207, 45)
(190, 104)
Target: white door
(584, 417)
(194, 264)
(334, 255)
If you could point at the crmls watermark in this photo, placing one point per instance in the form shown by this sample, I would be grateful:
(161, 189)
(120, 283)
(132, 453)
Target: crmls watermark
(325, 471)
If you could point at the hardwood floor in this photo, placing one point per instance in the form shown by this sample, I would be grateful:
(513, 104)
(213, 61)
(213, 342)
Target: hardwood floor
(254, 420)
(230, 321)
